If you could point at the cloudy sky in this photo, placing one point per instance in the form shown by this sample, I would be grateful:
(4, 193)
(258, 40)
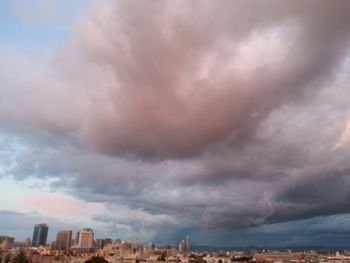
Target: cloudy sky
(225, 120)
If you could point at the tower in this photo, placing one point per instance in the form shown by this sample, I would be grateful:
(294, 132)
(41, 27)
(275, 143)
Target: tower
(40, 235)
(86, 238)
(188, 243)
(63, 240)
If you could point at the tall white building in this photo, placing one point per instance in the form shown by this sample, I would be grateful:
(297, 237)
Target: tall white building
(188, 244)
(86, 238)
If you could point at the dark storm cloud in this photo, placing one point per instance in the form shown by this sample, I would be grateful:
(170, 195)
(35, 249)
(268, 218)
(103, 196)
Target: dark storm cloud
(217, 115)
(332, 231)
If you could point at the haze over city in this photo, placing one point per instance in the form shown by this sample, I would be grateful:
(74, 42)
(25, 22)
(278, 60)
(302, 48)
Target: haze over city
(226, 120)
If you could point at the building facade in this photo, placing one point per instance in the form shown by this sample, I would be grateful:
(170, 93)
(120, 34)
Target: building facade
(40, 235)
(86, 238)
(63, 240)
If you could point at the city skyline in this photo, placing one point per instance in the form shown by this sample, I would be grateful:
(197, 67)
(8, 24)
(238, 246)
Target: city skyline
(227, 121)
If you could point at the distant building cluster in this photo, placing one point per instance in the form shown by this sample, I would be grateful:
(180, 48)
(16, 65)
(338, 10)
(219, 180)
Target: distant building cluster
(78, 247)
(184, 245)
(66, 249)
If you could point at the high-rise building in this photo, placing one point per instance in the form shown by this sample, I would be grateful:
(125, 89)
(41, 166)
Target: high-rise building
(184, 245)
(11, 240)
(181, 246)
(188, 244)
(86, 238)
(63, 240)
(40, 235)
(76, 240)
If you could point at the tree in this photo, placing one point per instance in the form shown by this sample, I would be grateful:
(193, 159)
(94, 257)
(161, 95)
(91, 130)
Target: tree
(21, 258)
(96, 260)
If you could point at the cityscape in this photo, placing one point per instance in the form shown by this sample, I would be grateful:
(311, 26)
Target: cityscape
(175, 131)
(85, 248)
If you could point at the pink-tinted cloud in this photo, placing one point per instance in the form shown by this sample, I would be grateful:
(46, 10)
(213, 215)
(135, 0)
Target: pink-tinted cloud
(61, 206)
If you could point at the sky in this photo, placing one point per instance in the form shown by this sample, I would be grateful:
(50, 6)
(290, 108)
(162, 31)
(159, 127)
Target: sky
(225, 120)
